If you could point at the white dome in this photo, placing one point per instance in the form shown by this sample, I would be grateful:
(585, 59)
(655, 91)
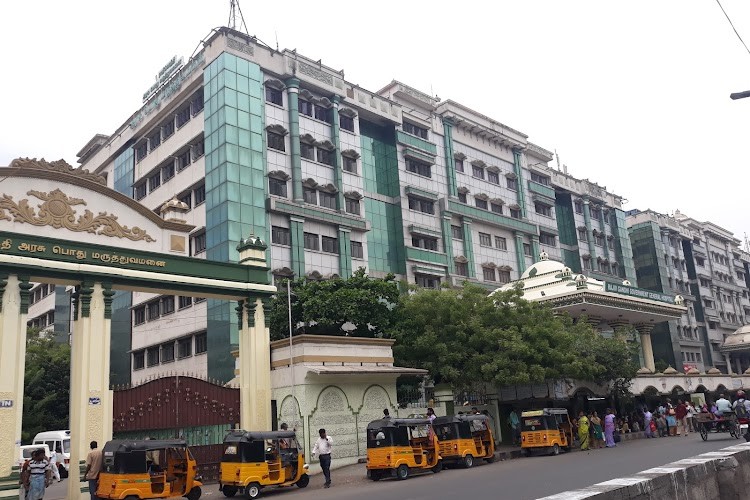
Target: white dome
(543, 267)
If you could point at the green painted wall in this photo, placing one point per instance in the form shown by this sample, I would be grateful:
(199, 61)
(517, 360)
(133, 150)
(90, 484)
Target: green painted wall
(120, 337)
(566, 224)
(623, 249)
(450, 161)
(572, 259)
(296, 229)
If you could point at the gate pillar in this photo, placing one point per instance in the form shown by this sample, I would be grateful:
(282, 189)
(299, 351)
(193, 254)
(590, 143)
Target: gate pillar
(14, 306)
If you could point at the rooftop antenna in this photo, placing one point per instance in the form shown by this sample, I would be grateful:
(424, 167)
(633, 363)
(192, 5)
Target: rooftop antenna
(234, 10)
(276, 34)
(557, 157)
(747, 244)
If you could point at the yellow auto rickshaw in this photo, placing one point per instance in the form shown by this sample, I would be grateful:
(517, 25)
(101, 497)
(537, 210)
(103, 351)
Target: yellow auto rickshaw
(255, 460)
(399, 446)
(549, 429)
(464, 438)
(148, 469)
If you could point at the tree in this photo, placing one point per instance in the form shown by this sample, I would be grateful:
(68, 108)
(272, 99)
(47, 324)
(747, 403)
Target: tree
(46, 385)
(324, 306)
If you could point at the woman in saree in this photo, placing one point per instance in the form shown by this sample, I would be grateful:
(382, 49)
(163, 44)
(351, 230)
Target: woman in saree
(596, 423)
(609, 428)
(583, 430)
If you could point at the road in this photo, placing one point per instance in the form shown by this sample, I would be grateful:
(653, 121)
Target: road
(519, 479)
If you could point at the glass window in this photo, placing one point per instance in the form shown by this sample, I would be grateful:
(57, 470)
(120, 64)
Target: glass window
(477, 172)
(201, 343)
(503, 276)
(424, 242)
(277, 187)
(275, 141)
(167, 304)
(198, 149)
(183, 161)
(167, 171)
(541, 179)
(325, 156)
(457, 232)
(515, 213)
(496, 207)
(412, 129)
(141, 151)
(327, 200)
(578, 204)
(346, 123)
(527, 249)
(307, 151)
(311, 241)
(305, 107)
(139, 315)
(321, 113)
(152, 356)
(357, 250)
(153, 310)
(462, 269)
(139, 360)
(462, 197)
(427, 281)
(511, 183)
(139, 191)
(310, 196)
(480, 203)
(418, 167)
(459, 165)
(167, 129)
(485, 240)
(543, 209)
(352, 206)
(196, 103)
(493, 177)
(330, 245)
(154, 181)
(154, 139)
(421, 205)
(488, 274)
(582, 234)
(198, 243)
(183, 116)
(184, 302)
(185, 347)
(274, 96)
(501, 243)
(280, 235)
(350, 164)
(547, 239)
(200, 194)
(167, 352)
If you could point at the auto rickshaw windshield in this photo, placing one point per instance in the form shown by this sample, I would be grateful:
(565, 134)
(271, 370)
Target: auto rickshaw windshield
(538, 423)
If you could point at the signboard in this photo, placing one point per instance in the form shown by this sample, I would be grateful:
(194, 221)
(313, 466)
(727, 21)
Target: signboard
(6, 403)
(640, 293)
(95, 401)
(169, 69)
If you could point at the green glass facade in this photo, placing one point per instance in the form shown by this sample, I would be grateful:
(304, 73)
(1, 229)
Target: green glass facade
(622, 246)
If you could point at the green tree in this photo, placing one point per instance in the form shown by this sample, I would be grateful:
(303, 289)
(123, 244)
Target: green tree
(46, 385)
(324, 306)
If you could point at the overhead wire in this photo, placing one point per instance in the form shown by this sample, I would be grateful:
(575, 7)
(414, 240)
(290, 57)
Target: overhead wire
(732, 25)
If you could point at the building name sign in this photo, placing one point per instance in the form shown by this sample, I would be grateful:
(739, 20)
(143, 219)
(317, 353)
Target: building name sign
(169, 69)
(638, 292)
(173, 85)
(6, 403)
(76, 254)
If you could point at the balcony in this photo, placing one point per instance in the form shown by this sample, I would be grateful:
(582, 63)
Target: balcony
(538, 188)
(416, 142)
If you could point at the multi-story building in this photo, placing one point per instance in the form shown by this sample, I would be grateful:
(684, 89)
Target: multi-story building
(704, 263)
(247, 139)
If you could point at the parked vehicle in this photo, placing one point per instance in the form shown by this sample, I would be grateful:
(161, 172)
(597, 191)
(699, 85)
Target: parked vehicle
(148, 469)
(256, 460)
(464, 438)
(400, 446)
(55, 440)
(24, 452)
(548, 429)
(708, 422)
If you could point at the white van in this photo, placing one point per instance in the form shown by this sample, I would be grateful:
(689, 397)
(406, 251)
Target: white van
(55, 440)
(24, 452)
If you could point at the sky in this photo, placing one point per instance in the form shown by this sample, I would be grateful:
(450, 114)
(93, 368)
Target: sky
(633, 95)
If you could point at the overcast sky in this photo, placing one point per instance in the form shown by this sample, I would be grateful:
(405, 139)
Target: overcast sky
(633, 95)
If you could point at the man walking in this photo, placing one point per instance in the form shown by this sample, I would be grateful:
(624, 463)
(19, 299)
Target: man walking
(93, 466)
(681, 413)
(322, 449)
(515, 428)
(53, 463)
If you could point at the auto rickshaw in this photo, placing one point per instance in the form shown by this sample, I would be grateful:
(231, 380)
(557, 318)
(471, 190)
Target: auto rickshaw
(548, 428)
(399, 446)
(148, 469)
(463, 438)
(255, 460)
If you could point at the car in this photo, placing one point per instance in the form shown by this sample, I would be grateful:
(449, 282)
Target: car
(55, 440)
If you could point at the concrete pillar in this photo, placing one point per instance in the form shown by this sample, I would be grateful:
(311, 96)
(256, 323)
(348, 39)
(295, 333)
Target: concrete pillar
(14, 306)
(450, 161)
(728, 359)
(292, 90)
(255, 367)
(648, 353)
(738, 365)
(90, 395)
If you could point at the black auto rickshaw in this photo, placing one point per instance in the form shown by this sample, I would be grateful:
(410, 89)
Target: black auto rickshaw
(463, 438)
(255, 460)
(148, 468)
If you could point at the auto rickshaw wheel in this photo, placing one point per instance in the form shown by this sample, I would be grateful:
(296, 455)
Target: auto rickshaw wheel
(438, 467)
(229, 491)
(555, 449)
(194, 494)
(490, 459)
(525, 452)
(468, 461)
(704, 431)
(303, 481)
(402, 472)
(253, 490)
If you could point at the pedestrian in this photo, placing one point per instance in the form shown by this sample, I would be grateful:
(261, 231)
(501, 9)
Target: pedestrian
(691, 412)
(647, 416)
(583, 430)
(596, 424)
(609, 428)
(681, 416)
(515, 426)
(386, 413)
(39, 475)
(431, 414)
(322, 449)
(93, 467)
(53, 458)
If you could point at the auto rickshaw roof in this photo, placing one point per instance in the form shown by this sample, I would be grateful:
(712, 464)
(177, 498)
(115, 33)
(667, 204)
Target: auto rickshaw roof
(248, 436)
(544, 412)
(128, 446)
(451, 419)
(397, 422)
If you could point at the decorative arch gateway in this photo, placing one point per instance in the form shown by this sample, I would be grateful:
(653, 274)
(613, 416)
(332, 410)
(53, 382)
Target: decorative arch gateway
(64, 225)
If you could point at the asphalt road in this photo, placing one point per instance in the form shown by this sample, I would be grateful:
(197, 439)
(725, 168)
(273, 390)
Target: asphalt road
(519, 479)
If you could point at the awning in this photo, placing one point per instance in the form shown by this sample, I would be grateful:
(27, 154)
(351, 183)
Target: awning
(364, 370)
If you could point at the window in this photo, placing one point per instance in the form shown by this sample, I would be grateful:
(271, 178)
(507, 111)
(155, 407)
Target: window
(604, 267)
(501, 243)
(183, 302)
(598, 240)
(152, 356)
(700, 262)
(167, 171)
(330, 245)
(427, 281)
(199, 299)
(305, 107)
(327, 200)
(183, 116)
(275, 141)
(462, 197)
(198, 243)
(357, 250)
(543, 209)
(352, 206)
(139, 360)
(511, 183)
(200, 194)
(196, 104)
(477, 172)
(310, 196)
(582, 234)
(412, 129)
(488, 274)
(462, 269)
(183, 161)
(201, 343)
(154, 140)
(611, 243)
(139, 315)
(311, 241)
(596, 214)
(139, 191)
(578, 206)
(418, 167)
(425, 242)
(527, 249)
(548, 239)
(587, 264)
(503, 276)
(346, 123)
(459, 165)
(350, 164)
(421, 205)
(185, 347)
(325, 156)
(274, 96)
(280, 235)
(167, 352)
(485, 240)
(307, 151)
(321, 113)
(168, 129)
(496, 207)
(541, 179)
(493, 177)
(480, 203)
(154, 181)
(515, 213)
(141, 151)
(277, 187)
(457, 232)
(167, 305)
(153, 310)
(199, 148)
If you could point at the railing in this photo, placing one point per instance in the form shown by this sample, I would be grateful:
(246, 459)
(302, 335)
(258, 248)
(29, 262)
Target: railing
(415, 398)
(472, 398)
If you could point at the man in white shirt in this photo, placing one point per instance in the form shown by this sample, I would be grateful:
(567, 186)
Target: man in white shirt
(322, 449)
(53, 465)
(723, 406)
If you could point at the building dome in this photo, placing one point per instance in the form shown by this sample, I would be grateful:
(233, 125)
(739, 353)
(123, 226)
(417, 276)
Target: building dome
(544, 266)
(739, 339)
